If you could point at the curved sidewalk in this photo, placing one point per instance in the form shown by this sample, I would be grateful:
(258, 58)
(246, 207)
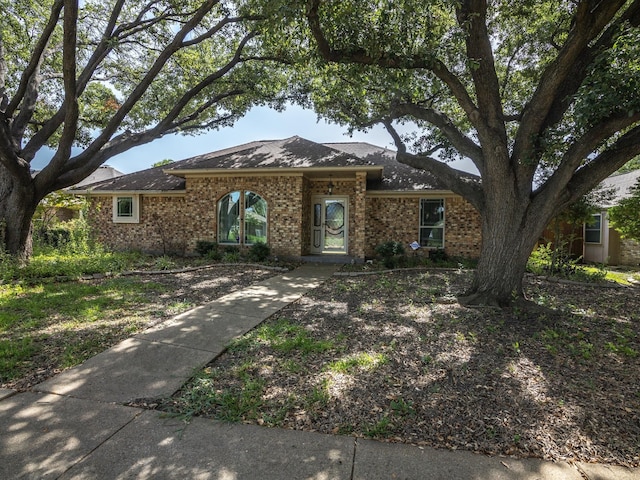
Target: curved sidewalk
(75, 426)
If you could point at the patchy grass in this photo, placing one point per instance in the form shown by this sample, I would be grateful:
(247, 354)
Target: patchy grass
(557, 380)
(48, 326)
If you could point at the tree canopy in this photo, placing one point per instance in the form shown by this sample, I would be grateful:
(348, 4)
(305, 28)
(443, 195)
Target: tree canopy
(540, 95)
(109, 75)
(625, 216)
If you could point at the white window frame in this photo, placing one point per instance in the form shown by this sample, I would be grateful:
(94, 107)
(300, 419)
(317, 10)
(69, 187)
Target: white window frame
(135, 207)
(421, 226)
(590, 228)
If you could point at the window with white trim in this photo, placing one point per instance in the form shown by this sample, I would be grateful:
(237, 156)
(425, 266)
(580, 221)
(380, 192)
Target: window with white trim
(593, 230)
(126, 209)
(432, 222)
(242, 218)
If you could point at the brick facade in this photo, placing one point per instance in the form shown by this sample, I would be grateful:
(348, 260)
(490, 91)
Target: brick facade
(629, 252)
(161, 228)
(175, 223)
(398, 218)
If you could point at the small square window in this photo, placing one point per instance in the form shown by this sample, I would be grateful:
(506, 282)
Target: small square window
(126, 209)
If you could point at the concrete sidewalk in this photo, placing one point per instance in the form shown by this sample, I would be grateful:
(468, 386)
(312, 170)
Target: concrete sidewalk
(74, 426)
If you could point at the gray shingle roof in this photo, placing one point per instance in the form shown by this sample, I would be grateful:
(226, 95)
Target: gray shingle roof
(294, 152)
(620, 183)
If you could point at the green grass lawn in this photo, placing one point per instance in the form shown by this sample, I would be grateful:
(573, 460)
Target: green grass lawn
(68, 322)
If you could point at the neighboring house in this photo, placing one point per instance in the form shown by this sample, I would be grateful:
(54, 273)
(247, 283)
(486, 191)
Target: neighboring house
(602, 244)
(104, 172)
(299, 197)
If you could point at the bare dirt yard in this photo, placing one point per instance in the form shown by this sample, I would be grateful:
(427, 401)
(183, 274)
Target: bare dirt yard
(393, 356)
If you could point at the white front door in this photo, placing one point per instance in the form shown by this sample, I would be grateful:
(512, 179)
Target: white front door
(330, 223)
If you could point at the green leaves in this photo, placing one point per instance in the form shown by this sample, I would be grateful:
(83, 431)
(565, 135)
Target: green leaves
(625, 217)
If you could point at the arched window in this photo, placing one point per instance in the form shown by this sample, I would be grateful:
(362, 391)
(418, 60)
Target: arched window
(242, 218)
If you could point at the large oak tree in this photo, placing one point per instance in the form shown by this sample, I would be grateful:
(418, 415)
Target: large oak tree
(542, 97)
(106, 76)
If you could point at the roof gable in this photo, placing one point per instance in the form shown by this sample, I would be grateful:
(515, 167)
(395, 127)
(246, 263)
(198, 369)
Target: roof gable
(290, 153)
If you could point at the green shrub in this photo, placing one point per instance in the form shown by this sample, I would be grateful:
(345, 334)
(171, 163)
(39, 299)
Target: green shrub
(206, 247)
(164, 263)
(231, 254)
(546, 261)
(392, 254)
(259, 252)
(438, 256)
(55, 237)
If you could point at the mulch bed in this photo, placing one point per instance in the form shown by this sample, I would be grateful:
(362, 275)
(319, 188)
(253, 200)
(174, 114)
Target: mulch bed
(557, 380)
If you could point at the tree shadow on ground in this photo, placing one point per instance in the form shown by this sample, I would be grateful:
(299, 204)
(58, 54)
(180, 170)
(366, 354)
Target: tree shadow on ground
(555, 380)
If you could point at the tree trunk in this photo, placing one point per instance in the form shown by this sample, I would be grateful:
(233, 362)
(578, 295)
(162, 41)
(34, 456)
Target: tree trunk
(17, 206)
(507, 241)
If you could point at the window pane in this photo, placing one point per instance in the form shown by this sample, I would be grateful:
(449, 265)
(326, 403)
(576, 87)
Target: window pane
(592, 231)
(255, 218)
(431, 223)
(229, 218)
(125, 206)
(592, 236)
(431, 213)
(432, 237)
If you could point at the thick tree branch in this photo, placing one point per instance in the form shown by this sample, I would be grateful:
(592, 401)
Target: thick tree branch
(585, 179)
(390, 60)
(17, 166)
(590, 21)
(36, 57)
(457, 181)
(580, 69)
(27, 105)
(581, 148)
(70, 105)
(111, 37)
(472, 17)
(463, 144)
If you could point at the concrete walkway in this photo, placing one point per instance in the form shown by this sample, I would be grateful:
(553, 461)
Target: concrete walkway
(75, 426)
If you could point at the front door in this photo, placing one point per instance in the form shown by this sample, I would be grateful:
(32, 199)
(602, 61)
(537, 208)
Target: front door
(330, 225)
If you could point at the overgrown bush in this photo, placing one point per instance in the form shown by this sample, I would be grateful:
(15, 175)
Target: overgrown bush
(71, 237)
(259, 252)
(545, 260)
(438, 256)
(231, 254)
(55, 237)
(392, 254)
(205, 247)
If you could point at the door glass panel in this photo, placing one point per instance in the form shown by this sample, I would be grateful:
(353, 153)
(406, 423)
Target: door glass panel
(334, 225)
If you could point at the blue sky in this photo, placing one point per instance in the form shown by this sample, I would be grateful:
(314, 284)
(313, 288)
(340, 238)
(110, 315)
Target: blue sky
(261, 123)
